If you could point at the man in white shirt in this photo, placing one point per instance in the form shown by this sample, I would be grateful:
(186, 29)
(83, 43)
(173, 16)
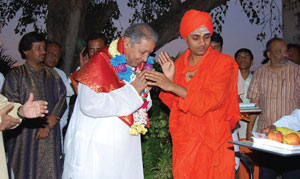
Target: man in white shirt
(53, 56)
(103, 137)
(244, 59)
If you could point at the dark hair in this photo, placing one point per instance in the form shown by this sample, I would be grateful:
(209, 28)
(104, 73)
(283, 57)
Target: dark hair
(296, 46)
(244, 50)
(138, 31)
(217, 38)
(95, 36)
(49, 42)
(91, 37)
(27, 40)
(269, 43)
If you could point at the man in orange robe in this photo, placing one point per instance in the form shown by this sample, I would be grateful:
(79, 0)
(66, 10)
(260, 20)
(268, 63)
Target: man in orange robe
(200, 90)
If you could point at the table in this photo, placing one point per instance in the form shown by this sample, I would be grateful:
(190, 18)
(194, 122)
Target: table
(250, 109)
(243, 157)
(268, 149)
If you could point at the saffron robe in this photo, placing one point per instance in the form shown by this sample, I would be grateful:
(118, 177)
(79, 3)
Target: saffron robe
(201, 123)
(28, 157)
(98, 143)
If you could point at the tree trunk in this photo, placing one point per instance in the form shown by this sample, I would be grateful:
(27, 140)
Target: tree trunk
(63, 25)
(96, 21)
(69, 19)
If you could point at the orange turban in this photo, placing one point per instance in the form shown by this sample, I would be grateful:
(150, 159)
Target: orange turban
(193, 20)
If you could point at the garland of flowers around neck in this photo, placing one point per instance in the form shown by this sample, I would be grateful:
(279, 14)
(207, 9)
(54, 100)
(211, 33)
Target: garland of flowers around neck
(126, 74)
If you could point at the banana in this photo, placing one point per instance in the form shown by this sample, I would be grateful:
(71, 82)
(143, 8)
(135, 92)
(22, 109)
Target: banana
(285, 131)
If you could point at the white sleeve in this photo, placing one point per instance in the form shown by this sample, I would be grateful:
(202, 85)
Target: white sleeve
(2, 79)
(119, 102)
(291, 121)
(70, 90)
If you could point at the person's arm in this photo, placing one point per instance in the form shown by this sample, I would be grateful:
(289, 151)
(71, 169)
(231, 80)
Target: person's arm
(7, 121)
(83, 59)
(254, 95)
(58, 109)
(12, 112)
(210, 95)
(290, 121)
(119, 102)
(159, 79)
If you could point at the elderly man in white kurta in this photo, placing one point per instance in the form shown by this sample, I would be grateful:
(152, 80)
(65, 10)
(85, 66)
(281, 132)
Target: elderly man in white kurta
(103, 137)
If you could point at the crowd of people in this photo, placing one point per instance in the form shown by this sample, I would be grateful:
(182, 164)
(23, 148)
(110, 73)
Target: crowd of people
(112, 84)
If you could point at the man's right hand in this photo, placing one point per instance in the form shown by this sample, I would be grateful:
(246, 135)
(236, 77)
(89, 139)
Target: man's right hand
(83, 59)
(268, 129)
(167, 65)
(8, 121)
(140, 82)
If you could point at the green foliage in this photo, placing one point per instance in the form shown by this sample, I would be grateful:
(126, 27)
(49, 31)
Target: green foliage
(32, 12)
(110, 31)
(147, 11)
(264, 13)
(6, 62)
(218, 14)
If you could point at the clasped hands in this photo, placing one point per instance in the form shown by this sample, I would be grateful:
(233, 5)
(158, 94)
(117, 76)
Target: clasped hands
(146, 79)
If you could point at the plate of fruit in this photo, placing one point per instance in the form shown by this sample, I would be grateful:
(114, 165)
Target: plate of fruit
(281, 137)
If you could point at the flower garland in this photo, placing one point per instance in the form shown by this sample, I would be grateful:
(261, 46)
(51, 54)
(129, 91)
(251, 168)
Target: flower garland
(128, 75)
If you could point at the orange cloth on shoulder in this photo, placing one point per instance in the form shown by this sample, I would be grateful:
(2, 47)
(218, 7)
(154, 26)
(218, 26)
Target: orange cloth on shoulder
(99, 75)
(193, 20)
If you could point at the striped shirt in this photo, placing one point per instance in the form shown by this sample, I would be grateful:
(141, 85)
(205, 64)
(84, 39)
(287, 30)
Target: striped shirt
(278, 92)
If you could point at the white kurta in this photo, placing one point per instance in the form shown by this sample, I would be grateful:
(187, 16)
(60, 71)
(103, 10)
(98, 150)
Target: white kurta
(70, 92)
(98, 144)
